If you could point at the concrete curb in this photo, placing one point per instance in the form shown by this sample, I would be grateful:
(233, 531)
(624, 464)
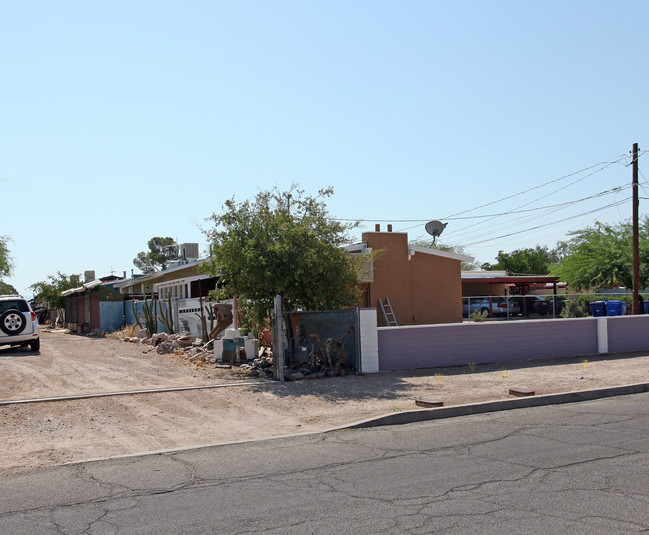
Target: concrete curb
(501, 405)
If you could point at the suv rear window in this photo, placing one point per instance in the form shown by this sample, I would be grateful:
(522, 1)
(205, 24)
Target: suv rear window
(18, 304)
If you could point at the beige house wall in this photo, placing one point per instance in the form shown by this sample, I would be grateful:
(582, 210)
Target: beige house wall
(144, 285)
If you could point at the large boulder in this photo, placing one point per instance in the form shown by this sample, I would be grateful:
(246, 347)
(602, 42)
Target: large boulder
(166, 347)
(158, 338)
(143, 333)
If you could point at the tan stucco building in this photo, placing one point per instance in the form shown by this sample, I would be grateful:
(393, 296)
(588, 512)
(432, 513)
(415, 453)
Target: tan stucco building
(423, 285)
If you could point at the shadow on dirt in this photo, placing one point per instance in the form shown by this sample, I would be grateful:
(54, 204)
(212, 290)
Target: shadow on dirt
(17, 351)
(394, 384)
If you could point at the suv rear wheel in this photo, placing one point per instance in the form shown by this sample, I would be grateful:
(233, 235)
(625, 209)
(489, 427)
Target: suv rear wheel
(35, 345)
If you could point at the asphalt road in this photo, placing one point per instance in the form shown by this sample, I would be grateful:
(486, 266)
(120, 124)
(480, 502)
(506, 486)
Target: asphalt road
(575, 468)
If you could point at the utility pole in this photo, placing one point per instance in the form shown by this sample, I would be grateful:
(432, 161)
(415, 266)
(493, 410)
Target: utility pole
(635, 307)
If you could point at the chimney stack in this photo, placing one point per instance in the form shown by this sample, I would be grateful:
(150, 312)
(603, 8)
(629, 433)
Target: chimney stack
(377, 227)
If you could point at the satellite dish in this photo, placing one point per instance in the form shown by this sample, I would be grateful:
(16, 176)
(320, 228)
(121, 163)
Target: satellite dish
(435, 228)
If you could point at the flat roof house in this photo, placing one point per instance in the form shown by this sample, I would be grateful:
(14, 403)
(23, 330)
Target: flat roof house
(423, 285)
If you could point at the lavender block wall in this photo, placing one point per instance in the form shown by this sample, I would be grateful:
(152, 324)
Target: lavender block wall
(457, 344)
(628, 333)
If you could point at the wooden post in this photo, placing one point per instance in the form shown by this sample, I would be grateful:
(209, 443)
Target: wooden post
(278, 339)
(635, 307)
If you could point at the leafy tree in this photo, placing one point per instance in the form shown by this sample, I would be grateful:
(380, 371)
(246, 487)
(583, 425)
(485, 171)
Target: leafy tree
(48, 292)
(6, 262)
(7, 289)
(161, 252)
(458, 249)
(557, 255)
(282, 243)
(523, 261)
(602, 256)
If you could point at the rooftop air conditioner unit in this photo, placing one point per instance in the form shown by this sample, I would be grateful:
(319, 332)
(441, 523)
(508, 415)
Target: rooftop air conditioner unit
(188, 250)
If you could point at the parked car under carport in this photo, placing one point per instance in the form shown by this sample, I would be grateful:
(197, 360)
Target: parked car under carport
(500, 306)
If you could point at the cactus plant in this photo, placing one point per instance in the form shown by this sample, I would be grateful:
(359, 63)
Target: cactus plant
(147, 318)
(211, 316)
(166, 317)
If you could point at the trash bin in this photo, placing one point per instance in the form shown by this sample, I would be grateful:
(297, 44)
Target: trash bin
(616, 308)
(646, 306)
(598, 308)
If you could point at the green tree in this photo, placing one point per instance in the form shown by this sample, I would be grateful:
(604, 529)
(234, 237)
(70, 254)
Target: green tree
(523, 261)
(7, 289)
(601, 256)
(282, 243)
(6, 262)
(161, 252)
(458, 249)
(48, 292)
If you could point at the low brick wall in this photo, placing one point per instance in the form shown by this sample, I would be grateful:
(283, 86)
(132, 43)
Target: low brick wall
(401, 348)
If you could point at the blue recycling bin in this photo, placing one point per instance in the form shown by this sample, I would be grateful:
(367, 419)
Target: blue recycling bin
(646, 306)
(616, 308)
(598, 308)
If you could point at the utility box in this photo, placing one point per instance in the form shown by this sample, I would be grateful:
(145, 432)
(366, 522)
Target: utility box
(225, 348)
(230, 347)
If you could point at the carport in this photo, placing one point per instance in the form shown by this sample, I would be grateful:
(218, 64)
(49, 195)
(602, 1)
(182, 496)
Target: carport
(485, 283)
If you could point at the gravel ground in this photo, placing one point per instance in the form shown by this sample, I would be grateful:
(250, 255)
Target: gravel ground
(52, 432)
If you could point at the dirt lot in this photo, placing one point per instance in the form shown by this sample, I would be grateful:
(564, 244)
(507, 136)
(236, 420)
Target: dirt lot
(53, 432)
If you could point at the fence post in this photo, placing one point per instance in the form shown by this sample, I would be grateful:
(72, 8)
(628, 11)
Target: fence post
(278, 339)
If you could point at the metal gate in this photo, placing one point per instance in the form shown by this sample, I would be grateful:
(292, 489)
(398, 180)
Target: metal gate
(322, 340)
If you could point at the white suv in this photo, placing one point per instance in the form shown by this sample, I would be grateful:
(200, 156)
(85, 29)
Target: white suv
(18, 323)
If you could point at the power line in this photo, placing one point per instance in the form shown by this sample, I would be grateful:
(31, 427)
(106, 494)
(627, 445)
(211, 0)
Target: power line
(551, 193)
(454, 216)
(527, 214)
(471, 230)
(598, 168)
(567, 203)
(563, 204)
(548, 224)
(605, 163)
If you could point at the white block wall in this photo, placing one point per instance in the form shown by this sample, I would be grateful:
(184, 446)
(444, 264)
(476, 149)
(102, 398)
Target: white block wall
(369, 341)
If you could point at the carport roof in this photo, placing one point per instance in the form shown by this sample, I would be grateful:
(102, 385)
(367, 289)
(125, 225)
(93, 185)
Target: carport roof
(510, 279)
(525, 283)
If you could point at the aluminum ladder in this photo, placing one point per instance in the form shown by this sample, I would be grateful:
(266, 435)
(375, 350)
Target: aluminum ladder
(388, 314)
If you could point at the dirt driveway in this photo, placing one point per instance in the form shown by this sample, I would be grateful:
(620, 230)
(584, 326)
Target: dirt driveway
(52, 432)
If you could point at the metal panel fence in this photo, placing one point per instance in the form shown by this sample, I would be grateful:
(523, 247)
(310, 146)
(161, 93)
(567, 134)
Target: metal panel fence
(133, 309)
(111, 315)
(322, 340)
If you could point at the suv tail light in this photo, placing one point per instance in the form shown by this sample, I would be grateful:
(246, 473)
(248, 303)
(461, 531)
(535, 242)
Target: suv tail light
(33, 315)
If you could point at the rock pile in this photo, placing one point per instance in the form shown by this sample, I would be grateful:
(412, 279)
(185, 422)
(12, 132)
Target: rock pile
(296, 371)
(182, 344)
(262, 366)
(191, 348)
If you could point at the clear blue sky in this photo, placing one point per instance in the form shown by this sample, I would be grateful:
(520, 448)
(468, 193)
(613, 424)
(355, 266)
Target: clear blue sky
(121, 121)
